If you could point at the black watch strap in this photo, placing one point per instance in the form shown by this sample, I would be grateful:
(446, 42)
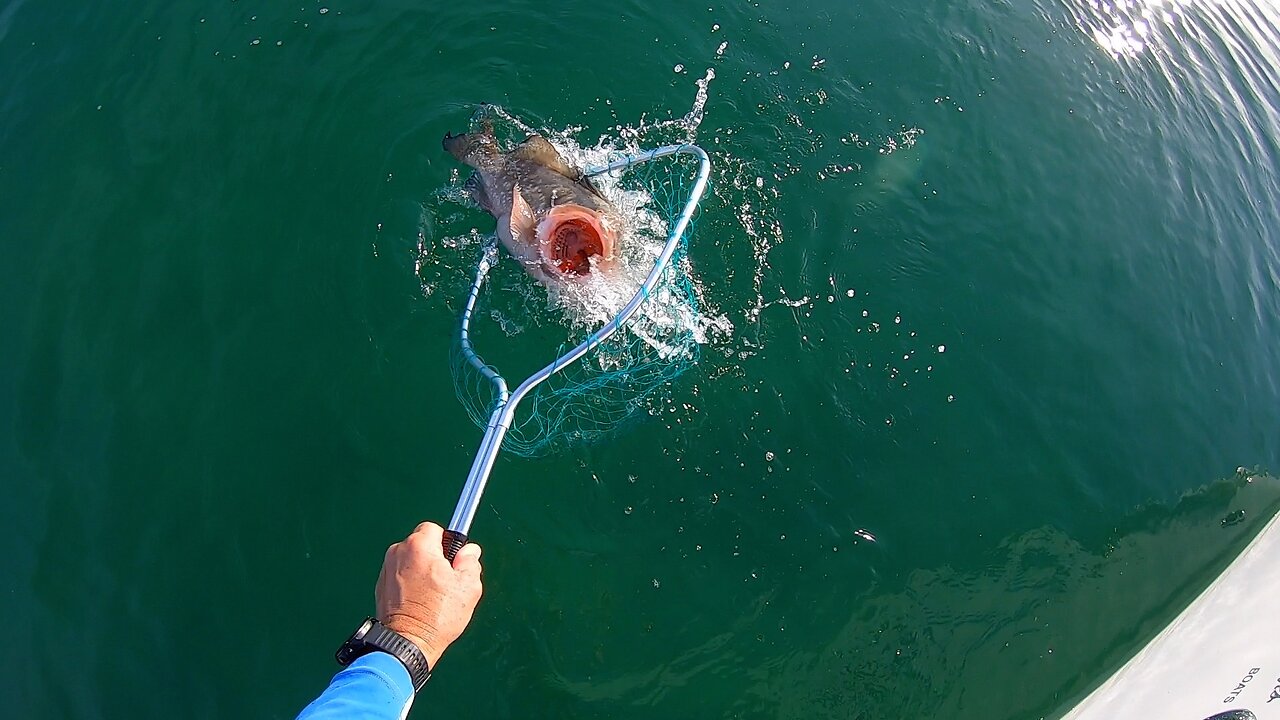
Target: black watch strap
(373, 636)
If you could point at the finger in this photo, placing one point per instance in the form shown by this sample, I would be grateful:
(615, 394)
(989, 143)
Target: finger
(429, 532)
(428, 527)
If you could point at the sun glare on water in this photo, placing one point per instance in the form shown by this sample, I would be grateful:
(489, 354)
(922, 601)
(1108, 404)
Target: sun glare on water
(1130, 28)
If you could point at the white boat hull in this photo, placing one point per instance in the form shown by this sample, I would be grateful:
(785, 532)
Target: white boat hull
(1219, 659)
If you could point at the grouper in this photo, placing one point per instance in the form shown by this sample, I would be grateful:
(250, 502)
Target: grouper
(551, 218)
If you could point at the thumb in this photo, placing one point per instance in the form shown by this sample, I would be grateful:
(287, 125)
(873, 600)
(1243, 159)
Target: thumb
(468, 555)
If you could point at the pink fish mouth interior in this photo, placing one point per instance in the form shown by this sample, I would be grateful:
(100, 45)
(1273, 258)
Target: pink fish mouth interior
(571, 245)
(570, 236)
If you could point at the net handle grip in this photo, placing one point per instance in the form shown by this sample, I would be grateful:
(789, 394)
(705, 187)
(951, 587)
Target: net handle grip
(453, 542)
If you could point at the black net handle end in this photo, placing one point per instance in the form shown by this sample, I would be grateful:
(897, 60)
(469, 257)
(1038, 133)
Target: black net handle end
(453, 542)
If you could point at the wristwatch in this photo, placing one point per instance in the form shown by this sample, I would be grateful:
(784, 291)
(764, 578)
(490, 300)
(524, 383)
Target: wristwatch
(373, 636)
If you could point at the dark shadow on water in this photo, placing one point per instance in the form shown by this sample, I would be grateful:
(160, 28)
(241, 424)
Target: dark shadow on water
(1049, 618)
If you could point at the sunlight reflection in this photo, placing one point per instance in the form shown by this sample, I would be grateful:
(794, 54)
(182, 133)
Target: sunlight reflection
(1124, 28)
(1128, 28)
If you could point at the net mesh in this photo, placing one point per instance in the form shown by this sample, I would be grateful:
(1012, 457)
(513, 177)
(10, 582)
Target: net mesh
(630, 374)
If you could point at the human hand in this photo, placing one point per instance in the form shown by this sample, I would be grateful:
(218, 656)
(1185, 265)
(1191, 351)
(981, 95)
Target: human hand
(424, 598)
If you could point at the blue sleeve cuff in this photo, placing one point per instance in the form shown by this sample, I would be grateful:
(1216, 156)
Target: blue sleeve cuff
(390, 670)
(374, 687)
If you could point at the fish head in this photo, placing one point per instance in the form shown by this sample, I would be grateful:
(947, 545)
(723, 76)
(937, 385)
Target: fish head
(570, 235)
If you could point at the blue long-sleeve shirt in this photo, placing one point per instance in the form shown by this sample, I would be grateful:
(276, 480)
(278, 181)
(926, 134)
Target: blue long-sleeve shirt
(373, 687)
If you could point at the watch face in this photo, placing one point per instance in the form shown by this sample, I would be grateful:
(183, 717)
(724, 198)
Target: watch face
(354, 647)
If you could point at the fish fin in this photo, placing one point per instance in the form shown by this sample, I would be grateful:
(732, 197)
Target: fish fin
(521, 222)
(535, 148)
(474, 186)
(586, 183)
(474, 148)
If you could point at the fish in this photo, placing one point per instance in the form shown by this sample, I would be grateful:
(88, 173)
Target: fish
(551, 218)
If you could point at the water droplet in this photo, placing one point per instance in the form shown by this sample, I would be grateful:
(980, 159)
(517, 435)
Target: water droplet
(768, 456)
(942, 348)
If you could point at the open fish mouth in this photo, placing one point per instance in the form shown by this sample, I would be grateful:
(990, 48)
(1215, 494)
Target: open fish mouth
(571, 245)
(570, 236)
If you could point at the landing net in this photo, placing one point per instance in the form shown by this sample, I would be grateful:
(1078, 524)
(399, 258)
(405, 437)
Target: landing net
(630, 334)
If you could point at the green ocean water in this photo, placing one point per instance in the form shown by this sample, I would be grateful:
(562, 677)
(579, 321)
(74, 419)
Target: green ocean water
(1003, 283)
